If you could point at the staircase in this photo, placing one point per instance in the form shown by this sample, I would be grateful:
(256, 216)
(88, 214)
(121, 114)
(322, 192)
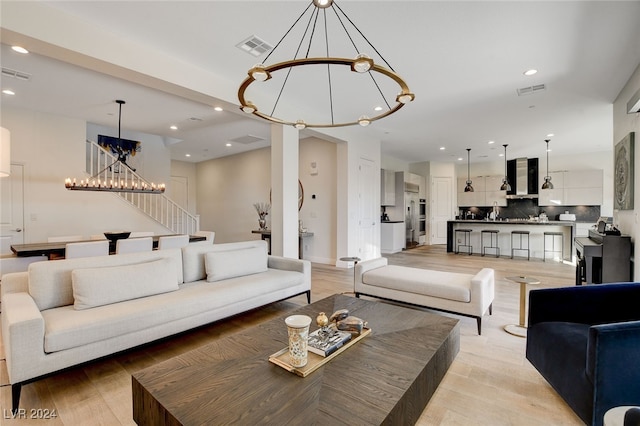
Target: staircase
(158, 207)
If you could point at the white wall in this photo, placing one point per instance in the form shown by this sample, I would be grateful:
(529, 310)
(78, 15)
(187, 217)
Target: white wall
(52, 148)
(319, 215)
(623, 124)
(227, 187)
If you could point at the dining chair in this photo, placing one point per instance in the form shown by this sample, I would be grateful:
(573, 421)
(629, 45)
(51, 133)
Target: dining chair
(134, 245)
(140, 234)
(5, 245)
(65, 239)
(172, 241)
(88, 249)
(209, 234)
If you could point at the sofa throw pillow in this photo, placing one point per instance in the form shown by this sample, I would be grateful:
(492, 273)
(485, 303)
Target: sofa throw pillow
(235, 263)
(103, 286)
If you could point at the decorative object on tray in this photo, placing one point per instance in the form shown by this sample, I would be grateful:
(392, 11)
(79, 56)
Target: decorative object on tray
(263, 211)
(327, 339)
(348, 323)
(298, 330)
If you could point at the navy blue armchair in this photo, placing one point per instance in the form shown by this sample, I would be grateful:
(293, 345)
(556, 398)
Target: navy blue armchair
(585, 341)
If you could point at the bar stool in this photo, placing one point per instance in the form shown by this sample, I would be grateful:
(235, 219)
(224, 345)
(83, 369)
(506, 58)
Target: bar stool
(520, 247)
(467, 240)
(491, 233)
(553, 236)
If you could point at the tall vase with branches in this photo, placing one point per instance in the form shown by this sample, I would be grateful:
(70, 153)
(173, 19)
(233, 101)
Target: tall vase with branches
(263, 210)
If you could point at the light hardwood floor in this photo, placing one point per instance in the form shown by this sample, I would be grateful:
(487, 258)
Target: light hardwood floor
(489, 383)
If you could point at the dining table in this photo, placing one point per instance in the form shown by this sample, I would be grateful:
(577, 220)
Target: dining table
(57, 250)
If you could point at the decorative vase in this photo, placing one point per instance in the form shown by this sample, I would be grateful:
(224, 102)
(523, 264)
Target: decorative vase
(262, 223)
(298, 331)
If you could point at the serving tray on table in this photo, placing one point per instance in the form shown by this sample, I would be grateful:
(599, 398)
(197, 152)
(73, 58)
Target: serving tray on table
(314, 361)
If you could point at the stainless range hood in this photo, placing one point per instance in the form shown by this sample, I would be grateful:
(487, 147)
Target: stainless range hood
(519, 178)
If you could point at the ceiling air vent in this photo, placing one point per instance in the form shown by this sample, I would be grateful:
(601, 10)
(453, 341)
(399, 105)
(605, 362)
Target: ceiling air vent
(20, 75)
(531, 89)
(254, 45)
(248, 139)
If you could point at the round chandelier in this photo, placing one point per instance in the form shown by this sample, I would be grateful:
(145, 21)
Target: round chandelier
(361, 65)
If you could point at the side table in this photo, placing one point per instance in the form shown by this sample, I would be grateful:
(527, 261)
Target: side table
(355, 261)
(520, 329)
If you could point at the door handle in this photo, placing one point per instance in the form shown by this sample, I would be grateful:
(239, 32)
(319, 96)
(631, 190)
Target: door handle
(17, 230)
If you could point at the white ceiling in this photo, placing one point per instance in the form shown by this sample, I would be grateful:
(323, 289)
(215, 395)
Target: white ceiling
(463, 60)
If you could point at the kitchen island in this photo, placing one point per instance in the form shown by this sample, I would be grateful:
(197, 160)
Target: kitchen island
(536, 229)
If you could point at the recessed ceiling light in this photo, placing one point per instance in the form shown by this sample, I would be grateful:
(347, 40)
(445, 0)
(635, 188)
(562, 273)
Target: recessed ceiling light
(491, 142)
(228, 144)
(8, 92)
(378, 108)
(530, 72)
(187, 155)
(550, 135)
(174, 127)
(442, 148)
(459, 158)
(500, 155)
(19, 49)
(218, 109)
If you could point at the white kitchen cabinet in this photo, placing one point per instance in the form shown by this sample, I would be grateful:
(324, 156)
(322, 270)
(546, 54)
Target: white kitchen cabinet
(583, 196)
(387, 187)
(583, 179)
(551, 197)
(392, 237)
(493, 192)
(573, 188)
(486, 190)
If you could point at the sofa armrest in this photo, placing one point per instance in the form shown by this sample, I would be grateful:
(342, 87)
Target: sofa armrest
(365, 266)
(590, 304)
(288, 264)
(14, 282)
(613, 351)
(483, 288)
(22, 334)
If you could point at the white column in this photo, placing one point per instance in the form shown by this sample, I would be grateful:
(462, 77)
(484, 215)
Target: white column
(284, 191)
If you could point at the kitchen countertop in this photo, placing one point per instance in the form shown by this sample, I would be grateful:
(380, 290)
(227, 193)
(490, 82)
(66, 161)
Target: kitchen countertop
(514, 222)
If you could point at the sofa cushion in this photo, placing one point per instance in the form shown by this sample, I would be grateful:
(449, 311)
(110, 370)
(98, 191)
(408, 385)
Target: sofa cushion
(222, 265)
(67, 328)
(444, 285)
(102, 286)
(193, 260)
(50, 282)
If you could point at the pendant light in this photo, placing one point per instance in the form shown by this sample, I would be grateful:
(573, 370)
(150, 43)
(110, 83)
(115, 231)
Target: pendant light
(505, 182)
(547, 179)
(468, 188)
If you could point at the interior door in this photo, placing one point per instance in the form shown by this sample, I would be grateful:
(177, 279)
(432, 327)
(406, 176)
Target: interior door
(441, 208)
(12, 206)
(366, 209)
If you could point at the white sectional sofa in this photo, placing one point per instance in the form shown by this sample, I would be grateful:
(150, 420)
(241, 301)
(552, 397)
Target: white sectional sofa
(464, 294)
(62, 313)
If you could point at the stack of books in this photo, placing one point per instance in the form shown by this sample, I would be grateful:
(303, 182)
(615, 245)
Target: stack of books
(326, 346)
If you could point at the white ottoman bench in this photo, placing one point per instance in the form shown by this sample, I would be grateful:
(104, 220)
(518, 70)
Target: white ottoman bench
(463, 294)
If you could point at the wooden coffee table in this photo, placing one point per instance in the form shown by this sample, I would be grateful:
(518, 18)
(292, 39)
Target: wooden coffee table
(387, 377)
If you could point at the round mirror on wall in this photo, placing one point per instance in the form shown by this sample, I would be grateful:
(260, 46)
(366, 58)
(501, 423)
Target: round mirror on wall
(300, 195)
